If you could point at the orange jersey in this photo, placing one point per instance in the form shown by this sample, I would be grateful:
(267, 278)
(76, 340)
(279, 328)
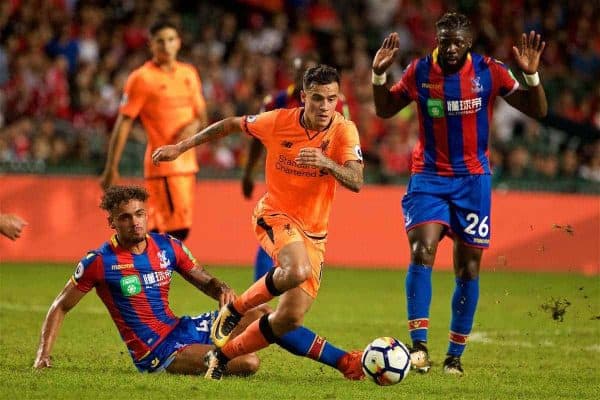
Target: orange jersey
(304, 194)
(166, 101)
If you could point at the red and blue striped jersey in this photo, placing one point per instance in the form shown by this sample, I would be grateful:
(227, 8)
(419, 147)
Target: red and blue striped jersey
(135, 287)
(455, 112)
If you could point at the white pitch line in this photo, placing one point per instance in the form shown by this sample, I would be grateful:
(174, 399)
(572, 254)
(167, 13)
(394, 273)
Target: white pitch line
(44, 309)
(483, 337)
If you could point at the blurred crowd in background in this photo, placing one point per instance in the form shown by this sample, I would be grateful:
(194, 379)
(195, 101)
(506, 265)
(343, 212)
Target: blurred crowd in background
(63, 64)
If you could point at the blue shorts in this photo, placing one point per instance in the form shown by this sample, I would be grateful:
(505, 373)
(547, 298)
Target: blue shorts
(190, 330)
(461, 203)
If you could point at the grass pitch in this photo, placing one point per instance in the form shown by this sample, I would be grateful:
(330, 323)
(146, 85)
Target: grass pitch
(536, 336)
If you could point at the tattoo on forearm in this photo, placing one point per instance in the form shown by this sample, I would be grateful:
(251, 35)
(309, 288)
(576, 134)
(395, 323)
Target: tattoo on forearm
(349, 176)
(212, 132)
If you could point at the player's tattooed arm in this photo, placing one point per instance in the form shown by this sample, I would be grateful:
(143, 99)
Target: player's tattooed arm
(188, 130)
(210, 133)
(350, 175)
(210, 285)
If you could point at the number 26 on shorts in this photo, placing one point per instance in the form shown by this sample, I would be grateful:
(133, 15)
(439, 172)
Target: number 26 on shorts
(476, 226)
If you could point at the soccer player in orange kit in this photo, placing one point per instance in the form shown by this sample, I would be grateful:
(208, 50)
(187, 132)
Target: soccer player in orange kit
(309, 150)
(167, 96)
(287, 98)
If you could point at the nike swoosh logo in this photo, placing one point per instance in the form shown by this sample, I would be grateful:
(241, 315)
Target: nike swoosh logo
(218, 328)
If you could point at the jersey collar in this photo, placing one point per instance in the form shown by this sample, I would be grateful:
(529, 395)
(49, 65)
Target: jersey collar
(310, 133)
(156, 66)
(114, 242)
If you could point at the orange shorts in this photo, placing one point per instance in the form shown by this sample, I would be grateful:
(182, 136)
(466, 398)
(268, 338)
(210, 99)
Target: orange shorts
(274, 232)
(170, 202)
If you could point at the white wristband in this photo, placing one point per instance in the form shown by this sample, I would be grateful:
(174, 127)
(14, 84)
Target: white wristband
(532, 80)
(378, 80)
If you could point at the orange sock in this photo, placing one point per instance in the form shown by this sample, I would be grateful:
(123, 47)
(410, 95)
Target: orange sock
(255, 295)
(249, 341)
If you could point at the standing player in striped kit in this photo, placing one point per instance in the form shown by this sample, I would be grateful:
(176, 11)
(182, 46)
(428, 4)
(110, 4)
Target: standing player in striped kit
(449, 191)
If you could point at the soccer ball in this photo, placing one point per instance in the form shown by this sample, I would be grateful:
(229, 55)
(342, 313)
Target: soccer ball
(386, 360)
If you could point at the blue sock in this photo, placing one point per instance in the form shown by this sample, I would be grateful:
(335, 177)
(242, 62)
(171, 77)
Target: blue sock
(418, 300)
(262, 264)
(305, 343)
(464, 304)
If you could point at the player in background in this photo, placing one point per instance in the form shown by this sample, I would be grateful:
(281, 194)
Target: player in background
(449, 191)
(287, 98)
(309, 150)
(132, 275)
(11, 226)
(167, 96)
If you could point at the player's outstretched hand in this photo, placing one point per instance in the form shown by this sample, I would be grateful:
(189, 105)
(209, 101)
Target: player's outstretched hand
(529, 51)
(386, 53)
(165, 153)
(42, 362)
(11, 226)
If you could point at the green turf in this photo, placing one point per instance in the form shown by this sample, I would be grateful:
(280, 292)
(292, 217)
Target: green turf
(518, 350)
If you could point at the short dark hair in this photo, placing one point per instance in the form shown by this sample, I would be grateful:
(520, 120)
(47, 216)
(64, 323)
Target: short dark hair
(321, 75)
(160, 24)
(453, 21)
(115, 195)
